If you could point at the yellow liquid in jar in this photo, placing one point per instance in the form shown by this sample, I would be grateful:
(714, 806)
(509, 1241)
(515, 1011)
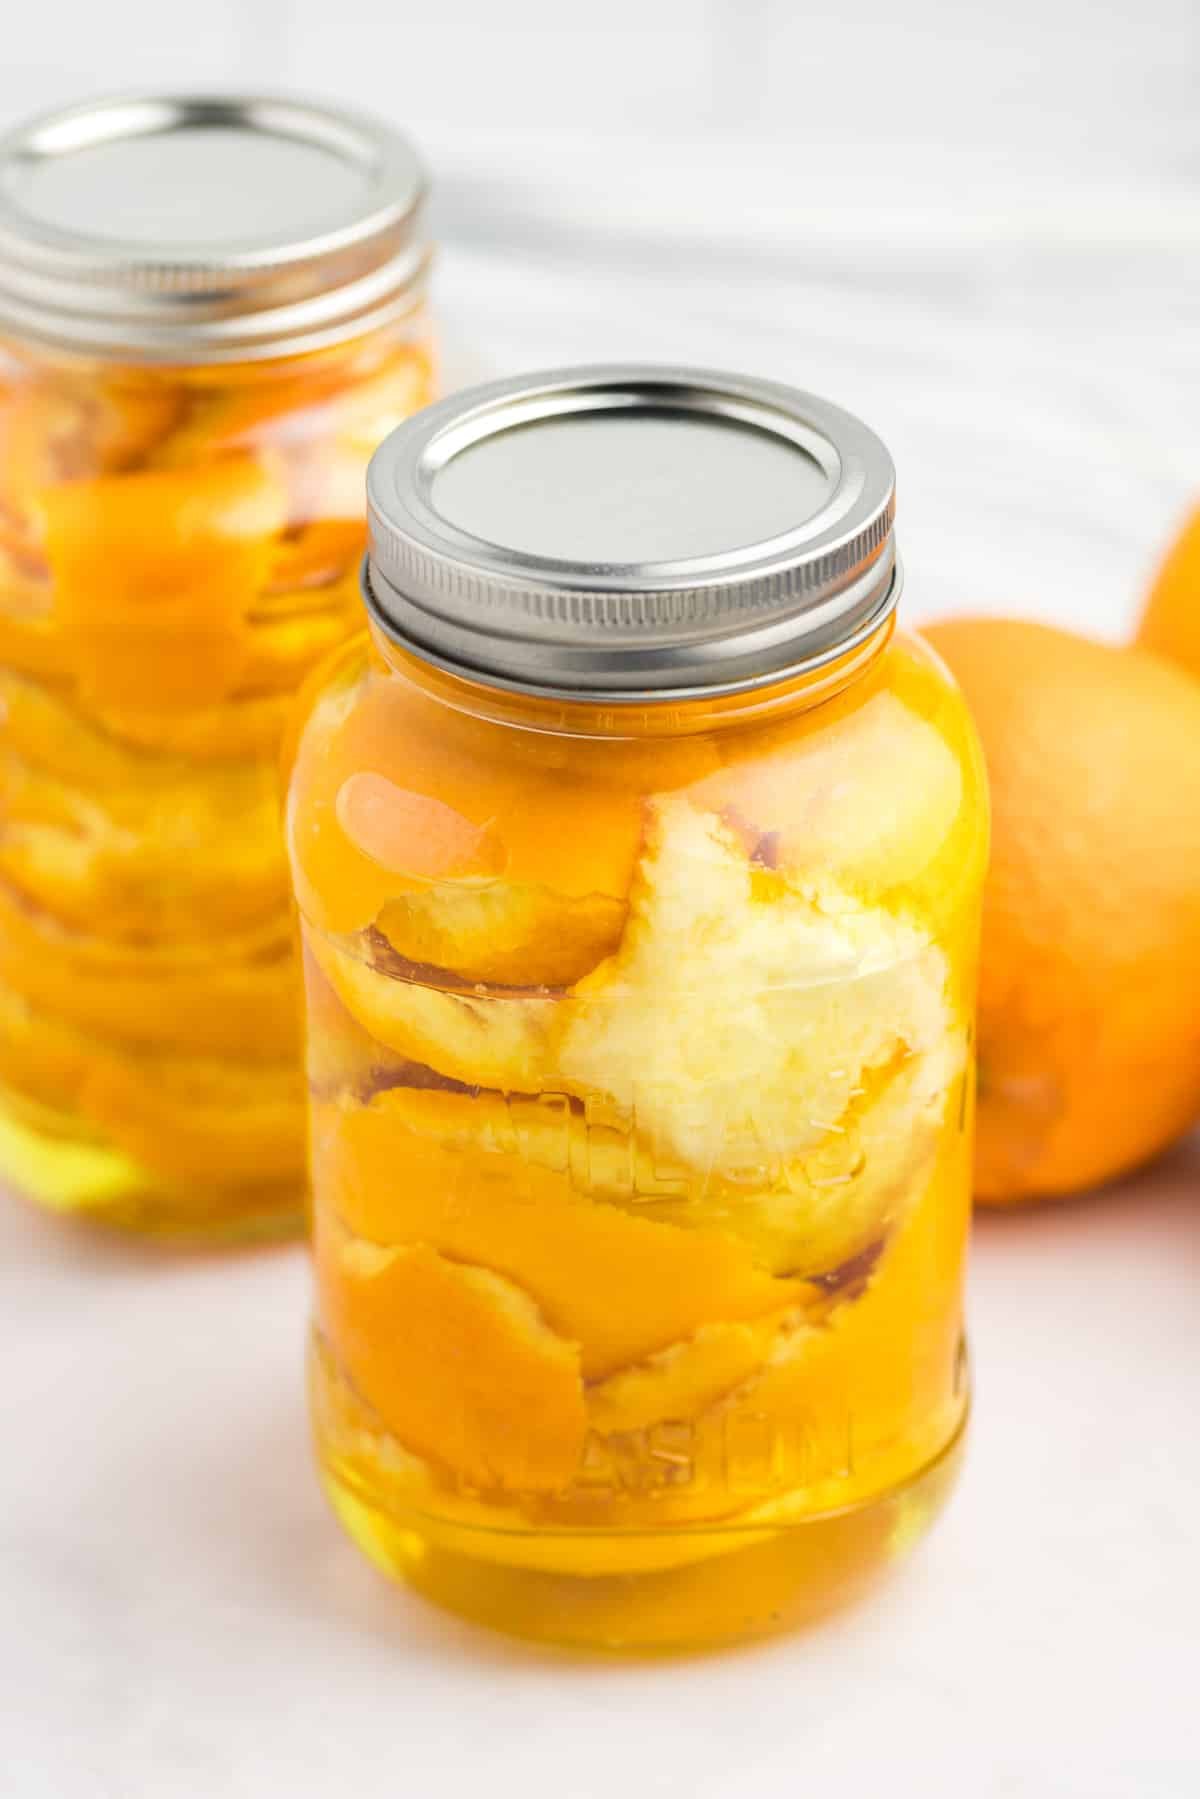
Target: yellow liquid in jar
(641, 1091)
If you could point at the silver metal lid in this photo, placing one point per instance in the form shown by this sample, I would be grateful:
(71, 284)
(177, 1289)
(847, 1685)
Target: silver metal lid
(624, 532)
(192, 228)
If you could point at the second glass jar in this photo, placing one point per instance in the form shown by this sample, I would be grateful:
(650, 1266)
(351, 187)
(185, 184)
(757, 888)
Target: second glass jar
(185, 423)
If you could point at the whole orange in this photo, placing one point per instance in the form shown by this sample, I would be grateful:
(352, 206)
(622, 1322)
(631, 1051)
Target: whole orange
(1171, 622)
(1089, 1021)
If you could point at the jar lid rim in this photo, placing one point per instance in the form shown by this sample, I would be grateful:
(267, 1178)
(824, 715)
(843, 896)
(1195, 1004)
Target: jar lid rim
(631, 531)
(232, 226)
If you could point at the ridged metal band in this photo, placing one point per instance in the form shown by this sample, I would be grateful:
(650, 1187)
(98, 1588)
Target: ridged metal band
(624, 683)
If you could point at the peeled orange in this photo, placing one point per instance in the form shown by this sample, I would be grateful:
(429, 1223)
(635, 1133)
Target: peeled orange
(1089, 1022)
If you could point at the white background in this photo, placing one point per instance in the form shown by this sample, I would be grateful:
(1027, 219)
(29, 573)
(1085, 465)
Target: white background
(980, 227)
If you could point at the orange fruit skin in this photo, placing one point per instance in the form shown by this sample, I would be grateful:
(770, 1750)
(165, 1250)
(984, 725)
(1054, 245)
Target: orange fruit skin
(1089, 1007)
(1171, 622)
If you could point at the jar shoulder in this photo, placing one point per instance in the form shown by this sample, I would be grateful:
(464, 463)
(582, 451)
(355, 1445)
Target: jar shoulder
(877, 794)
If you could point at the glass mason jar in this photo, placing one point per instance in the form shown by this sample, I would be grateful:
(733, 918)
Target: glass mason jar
(639, 865)
(211, 311)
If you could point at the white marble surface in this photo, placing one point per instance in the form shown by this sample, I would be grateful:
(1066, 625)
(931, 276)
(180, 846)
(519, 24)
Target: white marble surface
(996, 259)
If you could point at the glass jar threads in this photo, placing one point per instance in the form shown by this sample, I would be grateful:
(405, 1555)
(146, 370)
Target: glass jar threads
(211, 311)
(639, 864)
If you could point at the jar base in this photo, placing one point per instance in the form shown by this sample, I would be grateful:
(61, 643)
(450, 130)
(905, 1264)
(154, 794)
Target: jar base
(735, 1584)
(46, 1161)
